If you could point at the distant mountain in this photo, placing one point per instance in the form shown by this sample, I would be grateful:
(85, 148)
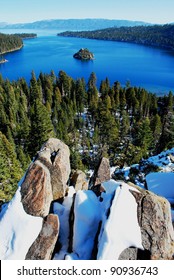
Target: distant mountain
(3, 24)
(74, 24)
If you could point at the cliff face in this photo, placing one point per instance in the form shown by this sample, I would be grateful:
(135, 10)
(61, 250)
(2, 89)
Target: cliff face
(61, 221)
(84, 54)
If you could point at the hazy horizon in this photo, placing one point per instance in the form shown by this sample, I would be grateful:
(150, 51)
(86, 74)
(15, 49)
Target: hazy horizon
(24, 11)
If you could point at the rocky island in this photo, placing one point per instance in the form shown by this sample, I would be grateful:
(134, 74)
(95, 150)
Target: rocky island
(84, 54)
(3, 60)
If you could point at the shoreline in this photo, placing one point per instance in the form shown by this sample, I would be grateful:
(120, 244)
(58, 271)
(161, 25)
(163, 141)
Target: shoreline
(12, 50)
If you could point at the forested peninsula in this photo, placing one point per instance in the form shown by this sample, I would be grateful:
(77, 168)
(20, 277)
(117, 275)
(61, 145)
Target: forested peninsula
(9, 43)
(157, 35)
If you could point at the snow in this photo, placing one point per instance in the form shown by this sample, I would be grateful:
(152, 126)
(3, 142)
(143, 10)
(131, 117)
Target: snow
(112, 169)
(162, 159)
(121, 230)
(18, 230)
(63, 211)
(87, 217)
(111, 185)
(161, 184)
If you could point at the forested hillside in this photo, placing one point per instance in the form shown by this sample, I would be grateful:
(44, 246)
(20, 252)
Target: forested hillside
(156, 35)
(9, 43)
(122, 123)
(26, 35)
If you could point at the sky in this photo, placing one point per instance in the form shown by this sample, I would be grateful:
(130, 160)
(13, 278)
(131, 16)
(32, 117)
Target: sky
(153, 11)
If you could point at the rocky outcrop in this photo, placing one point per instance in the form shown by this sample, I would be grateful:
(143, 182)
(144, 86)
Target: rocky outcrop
(36, 191)
(171, 158)
(154, 216)
(84, 54)
(78, 180)
(111, 220)
(55, 155)
(43, 246)
(129, 254)
(101, 173)
(46, 179)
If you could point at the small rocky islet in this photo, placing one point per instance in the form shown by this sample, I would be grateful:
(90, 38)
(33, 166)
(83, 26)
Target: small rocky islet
(84, 54)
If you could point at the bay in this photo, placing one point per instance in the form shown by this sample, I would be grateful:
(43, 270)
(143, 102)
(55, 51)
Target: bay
(151, 68)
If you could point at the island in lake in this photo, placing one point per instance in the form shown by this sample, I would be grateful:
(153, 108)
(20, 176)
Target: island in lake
(84, 54)
(3, 60)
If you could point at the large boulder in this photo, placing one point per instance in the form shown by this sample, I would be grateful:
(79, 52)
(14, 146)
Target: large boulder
(43, 246)
(46, 178)
(129, 254)
(154, 216)
(78, 180)
(171, 158)
(101, 173)
(55, 155)
(36, 190)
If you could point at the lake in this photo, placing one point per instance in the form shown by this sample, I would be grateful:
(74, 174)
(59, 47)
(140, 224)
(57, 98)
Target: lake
(151, 68)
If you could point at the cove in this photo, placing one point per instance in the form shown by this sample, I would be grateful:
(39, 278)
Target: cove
(142, 66)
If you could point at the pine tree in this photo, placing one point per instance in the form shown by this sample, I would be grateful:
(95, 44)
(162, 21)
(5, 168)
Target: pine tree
(117, 88)
(23, 158)
(125, 124)
(3, 119)
(143, 136)
(10, 169)
(76, 161)
(35, 90)
(122, 99)
(93, 102)
(104, 88)
(108, 130)
(64, 83)
(166, 140)
(156, 127)
(170, 102)
(92, 81)
(41, 127)
(80, 96)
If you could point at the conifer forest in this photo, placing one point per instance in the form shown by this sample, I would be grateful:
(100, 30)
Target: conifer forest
(124, 124)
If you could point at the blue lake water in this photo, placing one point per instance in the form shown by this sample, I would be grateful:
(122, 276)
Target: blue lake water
(151, 68)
